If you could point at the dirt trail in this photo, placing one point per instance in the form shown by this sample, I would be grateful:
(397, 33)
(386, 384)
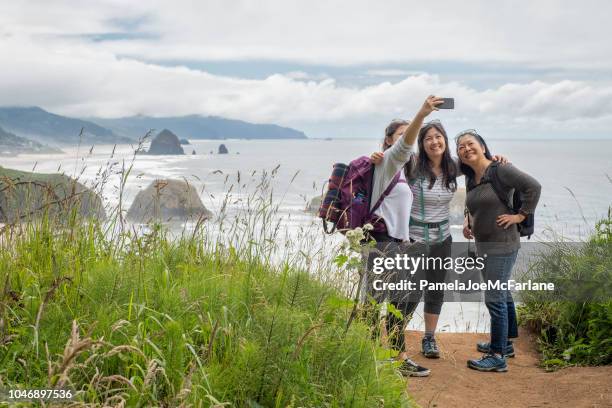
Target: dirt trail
(452, 384)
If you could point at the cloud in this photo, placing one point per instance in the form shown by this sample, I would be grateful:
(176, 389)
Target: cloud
(393, 72)
(95, 60)
(545, 33)
(305, 76)
(79, 81)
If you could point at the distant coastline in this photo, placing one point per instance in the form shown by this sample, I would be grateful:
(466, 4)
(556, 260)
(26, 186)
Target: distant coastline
(37, 126)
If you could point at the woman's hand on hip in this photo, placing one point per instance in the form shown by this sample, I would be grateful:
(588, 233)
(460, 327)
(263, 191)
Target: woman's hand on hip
(506, 220)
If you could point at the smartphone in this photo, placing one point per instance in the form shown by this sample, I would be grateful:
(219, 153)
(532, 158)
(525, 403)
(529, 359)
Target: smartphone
(449, 103)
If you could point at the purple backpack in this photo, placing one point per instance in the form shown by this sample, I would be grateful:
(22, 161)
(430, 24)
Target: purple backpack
(346, 204)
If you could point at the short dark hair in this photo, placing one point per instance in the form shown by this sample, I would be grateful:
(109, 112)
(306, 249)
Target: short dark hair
(467, 170)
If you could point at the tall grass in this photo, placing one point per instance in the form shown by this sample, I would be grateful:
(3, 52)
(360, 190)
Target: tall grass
(224, 314)
(574, 326)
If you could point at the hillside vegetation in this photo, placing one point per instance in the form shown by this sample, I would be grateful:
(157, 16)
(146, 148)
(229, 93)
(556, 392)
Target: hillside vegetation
(574, 325)
(149, 319)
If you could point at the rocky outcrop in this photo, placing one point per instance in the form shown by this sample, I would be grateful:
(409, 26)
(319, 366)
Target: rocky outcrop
(184, 142)
(223, 149)
(313, 205)
(167, 200)
(25, 196)
(165, 142)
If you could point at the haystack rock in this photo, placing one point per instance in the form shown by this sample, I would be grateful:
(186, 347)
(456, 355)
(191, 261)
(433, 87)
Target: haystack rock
(167, 200)
(25, 196)
(223, 149)
(313, 205)
(166, 142)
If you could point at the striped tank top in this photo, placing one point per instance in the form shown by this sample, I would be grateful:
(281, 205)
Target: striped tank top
(436, 206)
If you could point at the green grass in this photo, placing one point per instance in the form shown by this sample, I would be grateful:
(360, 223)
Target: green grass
(575, 328)
(155, 320)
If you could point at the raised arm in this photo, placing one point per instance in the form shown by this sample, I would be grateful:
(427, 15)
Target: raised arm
(412, 131)
(401, 151)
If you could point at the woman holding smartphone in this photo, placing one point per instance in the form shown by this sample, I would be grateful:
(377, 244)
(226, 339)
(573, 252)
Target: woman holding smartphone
(497, 237)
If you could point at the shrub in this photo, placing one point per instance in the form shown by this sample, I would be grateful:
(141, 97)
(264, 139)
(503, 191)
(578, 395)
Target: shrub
(575, 328)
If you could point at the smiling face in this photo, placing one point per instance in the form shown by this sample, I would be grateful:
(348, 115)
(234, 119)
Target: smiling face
(434, 143)
(469, 149)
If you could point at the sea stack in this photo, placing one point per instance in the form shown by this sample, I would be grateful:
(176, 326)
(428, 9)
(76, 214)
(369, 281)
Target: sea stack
(222, 149)
(25, 196)
(167, 200)
(165, 142)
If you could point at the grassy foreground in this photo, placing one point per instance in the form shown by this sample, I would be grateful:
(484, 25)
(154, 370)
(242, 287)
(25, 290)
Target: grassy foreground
(151, 321)
(574, 327)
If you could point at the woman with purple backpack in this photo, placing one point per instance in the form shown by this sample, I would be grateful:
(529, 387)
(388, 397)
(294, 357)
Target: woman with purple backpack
(394, 211)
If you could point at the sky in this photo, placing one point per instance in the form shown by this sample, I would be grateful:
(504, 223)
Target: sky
(517, 69)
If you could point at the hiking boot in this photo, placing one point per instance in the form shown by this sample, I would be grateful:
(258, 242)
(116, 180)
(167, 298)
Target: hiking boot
(485, 347)
(489, 362)
(409, 368)
(429, 348)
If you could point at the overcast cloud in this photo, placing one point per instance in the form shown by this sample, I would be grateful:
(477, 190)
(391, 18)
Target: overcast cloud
(113, 58)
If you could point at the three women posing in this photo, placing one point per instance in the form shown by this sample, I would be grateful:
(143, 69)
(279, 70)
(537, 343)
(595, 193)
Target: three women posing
(431, 180)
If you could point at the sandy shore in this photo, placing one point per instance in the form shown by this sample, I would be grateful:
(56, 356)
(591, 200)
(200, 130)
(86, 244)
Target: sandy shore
(452, 384)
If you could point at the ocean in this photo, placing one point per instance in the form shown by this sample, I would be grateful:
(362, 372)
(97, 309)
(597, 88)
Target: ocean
(576, 175)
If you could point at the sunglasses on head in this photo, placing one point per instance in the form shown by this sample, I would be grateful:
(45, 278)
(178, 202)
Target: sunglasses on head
(471, 132)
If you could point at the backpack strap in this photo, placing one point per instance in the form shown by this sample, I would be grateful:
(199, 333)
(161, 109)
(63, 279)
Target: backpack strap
(327, 229)
(387, 191)
(498, 186)
(422, 206)
(371, 187)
